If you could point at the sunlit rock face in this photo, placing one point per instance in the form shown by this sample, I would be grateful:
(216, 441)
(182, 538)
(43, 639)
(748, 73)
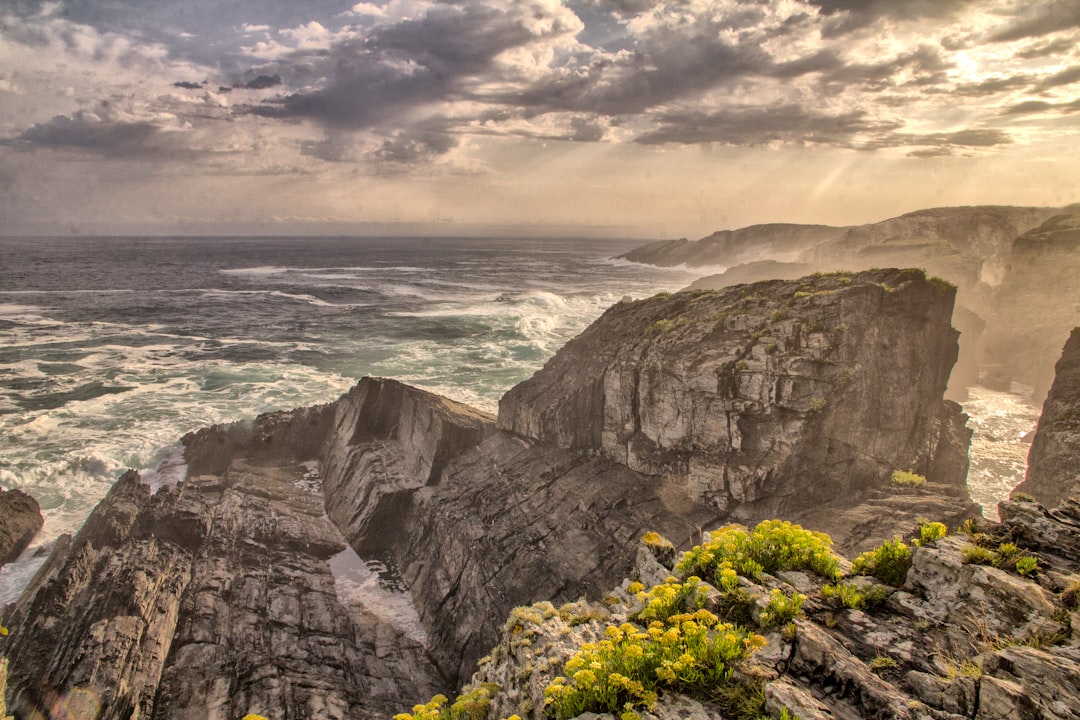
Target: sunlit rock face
(1054, 460)
(1037, 304)
(763, 398)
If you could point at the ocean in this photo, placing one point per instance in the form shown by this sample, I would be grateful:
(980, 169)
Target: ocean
(112, 348)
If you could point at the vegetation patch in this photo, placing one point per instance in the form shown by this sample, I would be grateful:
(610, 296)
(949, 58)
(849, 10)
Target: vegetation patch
(666, 325)
(907, 478)
(851, 596)
(772, 546)
(888, 562)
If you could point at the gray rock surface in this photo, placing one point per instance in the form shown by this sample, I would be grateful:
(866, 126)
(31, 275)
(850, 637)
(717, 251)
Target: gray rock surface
(958, 640)
(211, 599)
(1053, 472)
(763, 399)
(20, 520)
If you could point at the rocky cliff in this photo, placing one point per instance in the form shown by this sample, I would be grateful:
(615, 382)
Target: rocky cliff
(210, 599)
(218, 596)
(1037, 305)
(762, 399)
(1053, 472)
(20, 520)
(980, 624)
(972, 247)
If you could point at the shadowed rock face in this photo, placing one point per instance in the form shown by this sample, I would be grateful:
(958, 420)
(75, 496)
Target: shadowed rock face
(763, 399)
(20, 520)
(208, 600)
(1053, 472)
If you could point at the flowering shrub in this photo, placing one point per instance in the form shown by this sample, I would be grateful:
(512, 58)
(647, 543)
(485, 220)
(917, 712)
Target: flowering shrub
(888, 562)
(929, 532)
(772, 546)
(851, 596)
(471, 704)
(906, 478)
(781, 608)
(685, 652)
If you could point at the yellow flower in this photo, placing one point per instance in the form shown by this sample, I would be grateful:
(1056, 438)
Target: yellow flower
(252, 716)
(584, 678)
(3, 630)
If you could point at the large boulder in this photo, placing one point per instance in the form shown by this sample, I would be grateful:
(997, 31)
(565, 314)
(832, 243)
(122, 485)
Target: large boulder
(763, 399)
(20, 520)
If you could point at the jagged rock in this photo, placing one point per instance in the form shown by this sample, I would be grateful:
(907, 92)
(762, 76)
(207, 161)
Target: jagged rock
(20, 520)
(1053, 472)
(388, 441)
(210, 599)
(763, 398)
(946, 647)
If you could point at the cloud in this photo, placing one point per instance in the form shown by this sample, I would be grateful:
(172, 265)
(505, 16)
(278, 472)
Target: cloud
(89, 131)
(765, 125)
(1038, 19)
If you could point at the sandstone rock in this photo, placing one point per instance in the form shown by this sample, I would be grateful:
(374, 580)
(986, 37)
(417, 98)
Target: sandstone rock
(1053, 472)
(20, 520)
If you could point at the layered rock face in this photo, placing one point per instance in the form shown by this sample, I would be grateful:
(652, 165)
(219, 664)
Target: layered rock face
(952, 639)
(1037, 304)
(762, 399)
(776, 241)
(211, 599)
(20, 520)
(1053, 472)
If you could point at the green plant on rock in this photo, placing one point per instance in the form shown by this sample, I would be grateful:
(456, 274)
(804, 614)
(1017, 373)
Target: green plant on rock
(773, 545)
(907, 478)
(471, 704)
(667, 325)
(781, 608)
(889, 562)
(881, 663)
(929, 532)
(817, 404)
(1020, 496)
(671, 597)
(850, 596)
(689, 653)
(1026, 565)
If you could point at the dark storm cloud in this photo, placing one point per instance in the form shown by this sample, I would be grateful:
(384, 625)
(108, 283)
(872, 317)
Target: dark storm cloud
(416, 62)
(185, 85)
(993, 86)
(415, 147)
(624, 7)
(86, 131)
(945, 143)
(1038, 19)
(759, 126)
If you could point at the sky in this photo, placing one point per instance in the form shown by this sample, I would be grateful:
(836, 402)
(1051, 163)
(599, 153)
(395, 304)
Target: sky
(635, 118)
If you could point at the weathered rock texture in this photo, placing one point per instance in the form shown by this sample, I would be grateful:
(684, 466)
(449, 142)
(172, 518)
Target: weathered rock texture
(956, 641)
(1053, 472)
(1037, 305)
(762, 399)
(20, 520)
(211, 599)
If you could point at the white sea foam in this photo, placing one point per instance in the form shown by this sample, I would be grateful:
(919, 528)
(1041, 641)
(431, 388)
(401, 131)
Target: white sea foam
(357, 582)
